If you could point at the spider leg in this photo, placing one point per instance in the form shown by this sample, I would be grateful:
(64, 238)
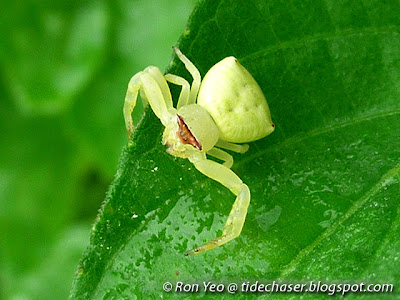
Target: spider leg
(163, 85)
(233, 147)
(185, 92)
(194, 90)
(237, 216)
(153, 90)
(222, 155)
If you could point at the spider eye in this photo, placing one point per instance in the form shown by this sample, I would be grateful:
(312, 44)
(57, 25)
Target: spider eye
(185, 135)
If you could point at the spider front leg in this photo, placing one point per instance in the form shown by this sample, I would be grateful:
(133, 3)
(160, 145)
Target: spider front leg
(153, 90)
(237, 216)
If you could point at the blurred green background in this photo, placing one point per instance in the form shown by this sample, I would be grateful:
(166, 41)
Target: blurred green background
(64, 71)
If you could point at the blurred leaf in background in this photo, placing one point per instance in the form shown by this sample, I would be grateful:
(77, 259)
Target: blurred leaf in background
(64, 72)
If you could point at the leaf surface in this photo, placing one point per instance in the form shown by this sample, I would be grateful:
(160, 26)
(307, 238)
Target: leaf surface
(325, 185)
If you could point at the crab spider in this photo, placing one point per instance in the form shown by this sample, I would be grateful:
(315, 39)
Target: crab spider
(226, 108)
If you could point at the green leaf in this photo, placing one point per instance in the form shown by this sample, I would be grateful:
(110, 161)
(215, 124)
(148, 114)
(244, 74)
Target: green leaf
(325, 185)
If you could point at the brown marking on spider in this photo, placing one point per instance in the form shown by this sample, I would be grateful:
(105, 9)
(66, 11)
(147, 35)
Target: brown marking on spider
(185, 135)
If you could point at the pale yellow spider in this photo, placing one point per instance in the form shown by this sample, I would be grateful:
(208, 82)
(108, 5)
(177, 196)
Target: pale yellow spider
(227, 108)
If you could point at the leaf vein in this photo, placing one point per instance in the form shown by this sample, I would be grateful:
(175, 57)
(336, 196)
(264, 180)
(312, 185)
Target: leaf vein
(321, 36)
(350, 212)
(301, 137)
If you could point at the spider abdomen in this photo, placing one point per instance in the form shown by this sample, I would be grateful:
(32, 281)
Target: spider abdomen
(236, 102)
